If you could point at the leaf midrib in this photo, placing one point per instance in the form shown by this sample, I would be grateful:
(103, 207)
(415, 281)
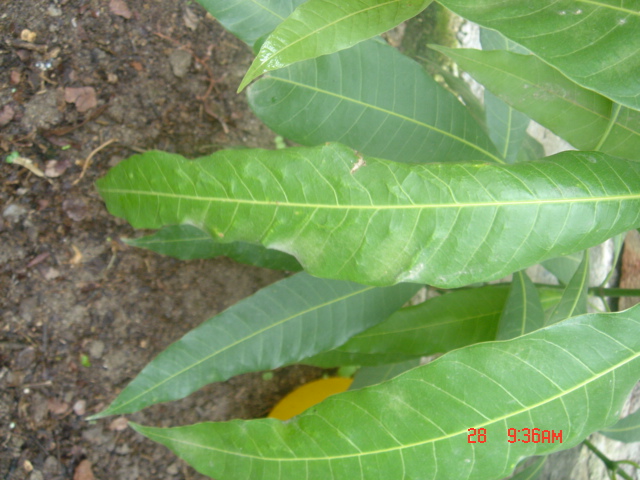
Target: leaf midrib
(280, 322)
(316, 31)
(393, 114)
(413, 206)
(414, 444)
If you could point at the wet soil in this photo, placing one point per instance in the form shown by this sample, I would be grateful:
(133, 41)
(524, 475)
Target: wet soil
(83, 85)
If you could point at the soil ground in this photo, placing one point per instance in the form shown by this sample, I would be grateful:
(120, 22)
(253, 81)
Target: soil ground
(81, 313)
(83, 85)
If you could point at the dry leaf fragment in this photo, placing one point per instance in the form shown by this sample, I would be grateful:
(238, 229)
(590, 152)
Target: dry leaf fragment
(77, 256)
(190, 19)
(84, 98)
(119, 7)
(119, 424)
(6, 115)
(57, 407)
(84, 471)
(55, 168)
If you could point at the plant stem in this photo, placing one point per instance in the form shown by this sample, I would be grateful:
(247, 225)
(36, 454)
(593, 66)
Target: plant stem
(597, 291)
(610, 464)
(614, 292)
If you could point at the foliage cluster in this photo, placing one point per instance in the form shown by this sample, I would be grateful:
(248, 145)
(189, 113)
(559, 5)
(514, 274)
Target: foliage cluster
(399, 184)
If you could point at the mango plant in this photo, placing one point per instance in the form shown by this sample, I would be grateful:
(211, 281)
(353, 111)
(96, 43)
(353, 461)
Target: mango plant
(397, 184)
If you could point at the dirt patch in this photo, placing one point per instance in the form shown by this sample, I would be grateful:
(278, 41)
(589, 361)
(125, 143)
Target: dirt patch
(84, 84)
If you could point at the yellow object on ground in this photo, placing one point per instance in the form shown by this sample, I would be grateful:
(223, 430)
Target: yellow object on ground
(308, 395)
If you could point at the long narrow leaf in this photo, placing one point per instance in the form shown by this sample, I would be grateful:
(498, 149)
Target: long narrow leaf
(531, 471)
(594, 43)
(438, 325)
(564, 267)
(507, 126)
(523, 312)
(374, 99)
(574, 298)
(378, 222)
(250, 20)
(626, 429)
(187, 242)
(281, 324)
(417, 425)
(320, 27)
(366, 376)
(576, 114)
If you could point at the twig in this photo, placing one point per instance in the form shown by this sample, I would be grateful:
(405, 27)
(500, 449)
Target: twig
(610, 464)
(87, 162)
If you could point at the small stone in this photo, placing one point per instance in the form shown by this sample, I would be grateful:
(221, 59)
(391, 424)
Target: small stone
(27, 35)
(123, 449)
(54, 11)
(180, 61)
(96, 349)
(50, 273)
(80, 407)
(42, 111)
(13, 212)
(25, 359)
(173, 469)
(51, 467)
(75, 208)
(36, 475)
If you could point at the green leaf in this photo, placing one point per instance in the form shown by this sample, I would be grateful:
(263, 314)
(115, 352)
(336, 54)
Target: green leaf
(378, 222)
(282, 323)
(250, 19)
(574, 298)
(321, 27)
(576, 114)
(564, 267)
(374, 99)
(507, 126)
(338, 358)
(625, 430)
(523, 312)
(594, 43)
(493, 40)
(373, 375)
(418, 422)
(187, 242)
(438, 325)
(531, 471)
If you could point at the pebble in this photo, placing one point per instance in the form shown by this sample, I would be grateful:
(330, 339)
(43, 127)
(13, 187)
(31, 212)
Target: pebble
(173, 469)
(180, 61)
(54, 11)
(13, 212)
(36, 475)
(96, 349)
(24, 360)
(51, 466)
